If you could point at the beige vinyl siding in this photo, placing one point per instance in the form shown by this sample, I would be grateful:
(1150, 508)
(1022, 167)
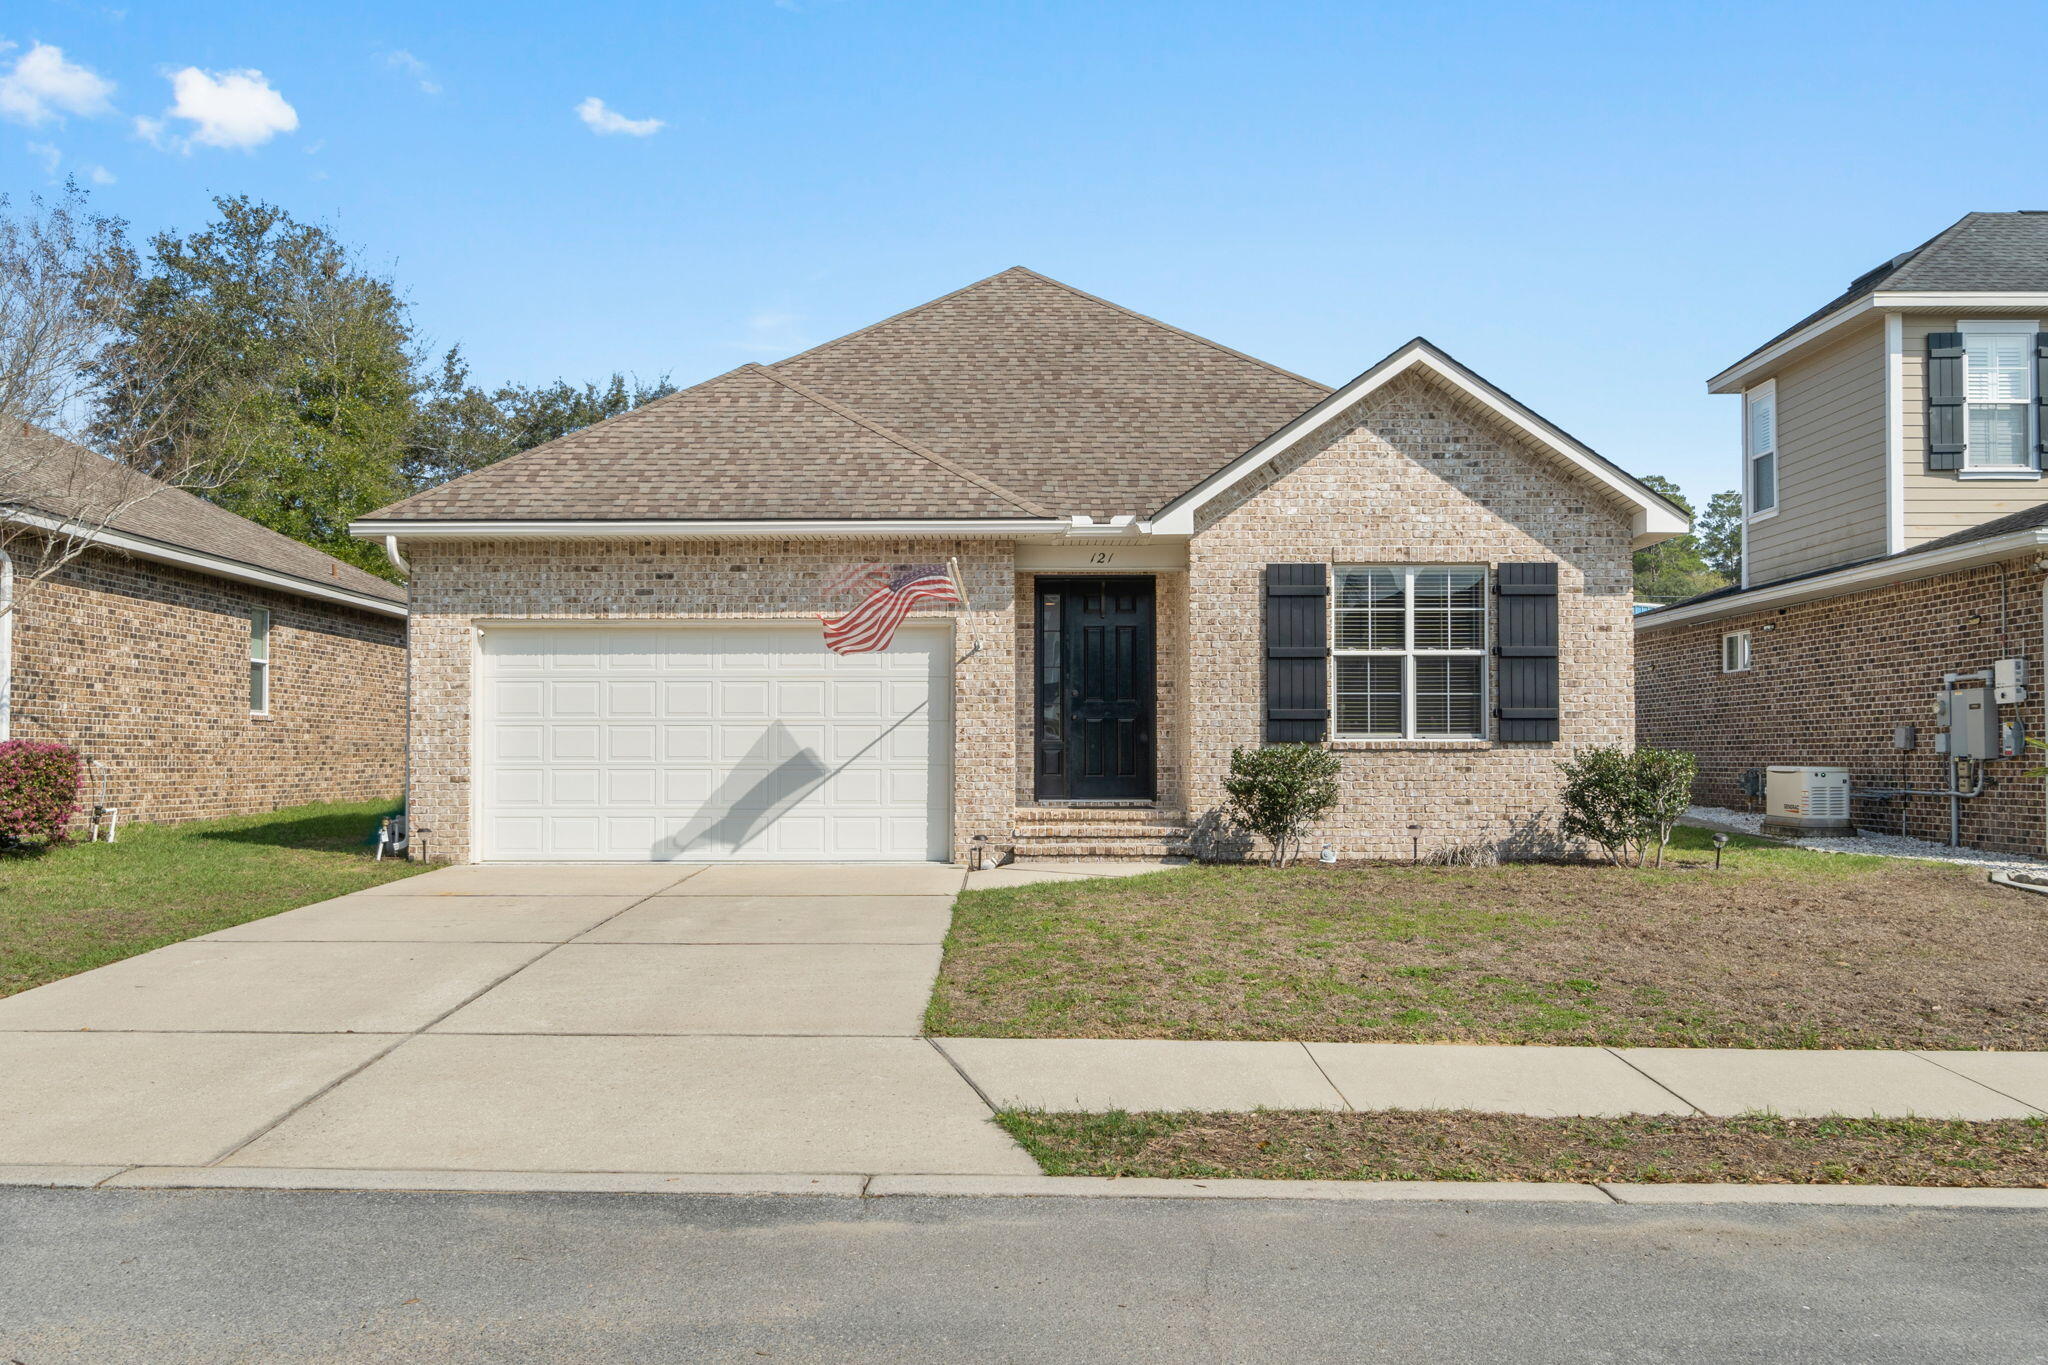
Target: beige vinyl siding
(1940, 503)
(1831, 494)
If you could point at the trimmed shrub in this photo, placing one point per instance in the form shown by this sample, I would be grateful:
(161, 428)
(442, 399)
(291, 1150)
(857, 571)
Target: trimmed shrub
(1279, 791)
(38, 790)
(1626, 802)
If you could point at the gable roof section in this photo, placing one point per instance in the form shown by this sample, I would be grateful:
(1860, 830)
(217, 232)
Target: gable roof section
(750, 445)
(67, 482)
(1654, 518)
(1065, 397)
(1979, 253)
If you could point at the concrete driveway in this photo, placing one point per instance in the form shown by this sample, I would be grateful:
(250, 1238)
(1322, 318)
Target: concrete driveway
(720, 1019)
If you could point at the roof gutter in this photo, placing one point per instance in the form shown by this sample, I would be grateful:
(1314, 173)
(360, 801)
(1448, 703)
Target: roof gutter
(1735, 378)
(1877, 573)
(218, 566)
(393, 531)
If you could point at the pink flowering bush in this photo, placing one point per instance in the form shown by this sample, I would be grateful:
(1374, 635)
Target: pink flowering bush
(38, 790)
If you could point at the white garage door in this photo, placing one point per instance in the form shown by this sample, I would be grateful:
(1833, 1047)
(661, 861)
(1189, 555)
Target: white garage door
(712, 742)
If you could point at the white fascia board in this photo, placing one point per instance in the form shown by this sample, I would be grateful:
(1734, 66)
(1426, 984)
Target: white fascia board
(700, 530)
(1653, 521)
(1734, 378)
(1856, 578)
(218, 566)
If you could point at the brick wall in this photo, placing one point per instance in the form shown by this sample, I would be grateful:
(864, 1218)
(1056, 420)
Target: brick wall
(455, 585)
(145, 667)
(1831, 678)
(1414, 475)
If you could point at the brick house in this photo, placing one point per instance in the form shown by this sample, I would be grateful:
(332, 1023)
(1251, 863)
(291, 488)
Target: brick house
(1169, 550)
(203, 664)
(1895, 527)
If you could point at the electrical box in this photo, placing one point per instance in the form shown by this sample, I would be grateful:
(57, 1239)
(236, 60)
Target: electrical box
(2009, 677)
(2012, 739)
(1905, 737)
(1973, 724)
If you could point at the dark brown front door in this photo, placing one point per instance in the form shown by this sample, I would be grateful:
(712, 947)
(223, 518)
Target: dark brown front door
(1095, 671)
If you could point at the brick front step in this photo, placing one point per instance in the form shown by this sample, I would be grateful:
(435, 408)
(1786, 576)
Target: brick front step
(1101, 848)
(1096, 815)
(1099, 833)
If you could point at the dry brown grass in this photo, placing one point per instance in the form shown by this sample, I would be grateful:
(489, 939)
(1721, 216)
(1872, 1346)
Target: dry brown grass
(1781, 948)
(1462, 1145)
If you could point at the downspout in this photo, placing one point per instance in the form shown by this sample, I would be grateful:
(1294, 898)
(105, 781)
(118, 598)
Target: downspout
(405, 796)
(6, 646)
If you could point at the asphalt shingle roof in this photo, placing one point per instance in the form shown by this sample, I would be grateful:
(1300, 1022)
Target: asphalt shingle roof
(2026, 519)
(1980, 251)
(1016, 396)
(52, 475)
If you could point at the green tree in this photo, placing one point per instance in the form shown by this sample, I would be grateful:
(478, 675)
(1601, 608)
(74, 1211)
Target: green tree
(1673, 569)
(461, 427)
(300, 386)
(1719, 532)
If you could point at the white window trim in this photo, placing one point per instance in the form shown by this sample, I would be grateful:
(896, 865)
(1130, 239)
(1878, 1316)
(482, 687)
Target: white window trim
(260, 615)
(1407, 654)
(2001, 327)
(1748, 651)
(1749, 513)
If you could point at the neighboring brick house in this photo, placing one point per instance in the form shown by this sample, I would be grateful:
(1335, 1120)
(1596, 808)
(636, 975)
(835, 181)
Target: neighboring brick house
(203, 664)
(1895, 526)
(1170, 550)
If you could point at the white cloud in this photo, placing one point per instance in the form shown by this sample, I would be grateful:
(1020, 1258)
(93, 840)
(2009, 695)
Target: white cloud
(99, 175)
(42, 85)
(225, 109)
(412, 66)
(48, 155)
(600, 119)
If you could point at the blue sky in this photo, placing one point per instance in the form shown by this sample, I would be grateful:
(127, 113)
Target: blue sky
(1596, 206)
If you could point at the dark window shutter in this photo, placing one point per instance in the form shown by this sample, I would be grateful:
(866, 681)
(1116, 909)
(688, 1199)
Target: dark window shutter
(1297, 653)
(1944, 400)
(1526, 689)
(2040, 393)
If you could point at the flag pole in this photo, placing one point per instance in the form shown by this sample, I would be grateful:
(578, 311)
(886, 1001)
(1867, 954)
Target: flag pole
(953, 572)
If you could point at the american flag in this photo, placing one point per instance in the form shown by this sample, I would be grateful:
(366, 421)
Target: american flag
(872, 625)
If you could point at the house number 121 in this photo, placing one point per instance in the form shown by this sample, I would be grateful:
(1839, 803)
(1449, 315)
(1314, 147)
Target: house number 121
(1102, 557)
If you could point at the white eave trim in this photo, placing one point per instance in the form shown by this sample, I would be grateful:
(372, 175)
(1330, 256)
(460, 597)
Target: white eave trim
(216, 565)
(701, 530)
(1654, 519)
(1877, 573)
(1735, 378)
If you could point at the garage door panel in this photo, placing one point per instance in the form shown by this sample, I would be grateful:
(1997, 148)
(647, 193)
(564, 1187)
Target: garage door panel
(712, 741)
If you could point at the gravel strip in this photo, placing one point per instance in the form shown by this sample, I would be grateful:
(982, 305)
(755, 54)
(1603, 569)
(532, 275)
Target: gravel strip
(1871, 842)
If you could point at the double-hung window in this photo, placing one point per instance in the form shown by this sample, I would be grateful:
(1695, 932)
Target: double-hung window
(259, 662)
(1998, 396)
(1410, 653)
(1760, 447)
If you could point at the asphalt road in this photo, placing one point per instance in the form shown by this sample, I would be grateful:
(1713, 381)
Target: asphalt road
(107, 1277)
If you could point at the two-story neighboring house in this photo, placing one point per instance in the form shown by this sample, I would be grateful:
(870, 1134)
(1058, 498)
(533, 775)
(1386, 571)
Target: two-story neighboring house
(1895, 528)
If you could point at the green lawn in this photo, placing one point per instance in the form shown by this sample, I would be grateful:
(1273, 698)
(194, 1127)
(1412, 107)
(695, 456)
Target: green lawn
(1463, 1145)
(1780, 947)
(84, 905)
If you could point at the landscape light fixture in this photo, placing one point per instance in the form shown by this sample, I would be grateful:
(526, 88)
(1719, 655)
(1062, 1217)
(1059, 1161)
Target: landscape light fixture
(1720, 842)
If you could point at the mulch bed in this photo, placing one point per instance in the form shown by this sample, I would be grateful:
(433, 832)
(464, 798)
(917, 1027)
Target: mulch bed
(1780, 949)
(1463, 1145)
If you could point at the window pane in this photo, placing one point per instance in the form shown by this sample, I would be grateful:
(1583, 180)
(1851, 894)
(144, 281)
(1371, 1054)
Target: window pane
(1998, 436)
(1368, 696)
(1996, 367)
(1447, 696)
(1370, 605)
(259, 687)
(1763, 487)
(1450, 609)
(259, 636)
(1763, 423)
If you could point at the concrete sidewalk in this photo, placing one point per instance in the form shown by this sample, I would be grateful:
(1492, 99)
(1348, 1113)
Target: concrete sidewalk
(1098, 1074)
